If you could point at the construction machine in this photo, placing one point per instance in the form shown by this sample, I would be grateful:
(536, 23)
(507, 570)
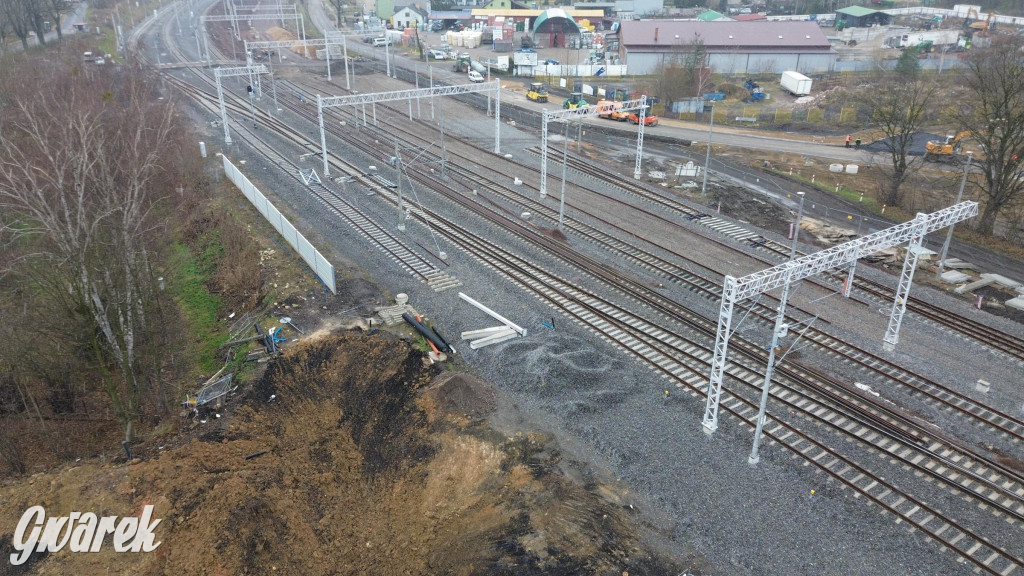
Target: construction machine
(983, 27)
(613, 111)
(538, 92)
(462, 62)
(574, 101)
(649, 120)
(947, 151)
(973, 23)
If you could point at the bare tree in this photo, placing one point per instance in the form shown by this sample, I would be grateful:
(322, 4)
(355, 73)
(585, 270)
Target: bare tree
(36, 9)
(55, 9)
(18, 19)
(698, 74)
(76, 165)
(994, 77)
(683, 72)
(898, 110)
(339, 6)
(5, 29)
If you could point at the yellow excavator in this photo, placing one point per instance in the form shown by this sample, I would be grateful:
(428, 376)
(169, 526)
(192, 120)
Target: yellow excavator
(974, 24)
(984, 27)
(947, 151)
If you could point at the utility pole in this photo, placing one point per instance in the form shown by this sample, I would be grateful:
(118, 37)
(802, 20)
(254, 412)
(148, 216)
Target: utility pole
(344, 50)
(707, 157)
(949, 232)
(565, 161)
(401, 206)
(796, 228)
(251, 107)
(777, 334)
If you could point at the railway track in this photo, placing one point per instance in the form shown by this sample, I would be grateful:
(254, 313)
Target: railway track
(662, 349)
(1008, 344)
(934, 393)
(989, 494)
(397, 249)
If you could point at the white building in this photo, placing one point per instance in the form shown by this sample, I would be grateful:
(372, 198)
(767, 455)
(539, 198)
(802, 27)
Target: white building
(409, 17)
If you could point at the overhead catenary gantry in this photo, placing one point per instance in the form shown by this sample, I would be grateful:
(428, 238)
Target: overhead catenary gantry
(219, 73)
(292, 14)
(326, 43)
(589, 112)
(844, 255)
(416, 93)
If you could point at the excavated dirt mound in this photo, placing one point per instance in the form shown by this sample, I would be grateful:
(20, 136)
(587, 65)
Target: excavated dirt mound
(373, 465)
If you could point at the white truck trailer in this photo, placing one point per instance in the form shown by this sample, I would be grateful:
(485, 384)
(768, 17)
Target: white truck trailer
(936, 37)
(796, 83)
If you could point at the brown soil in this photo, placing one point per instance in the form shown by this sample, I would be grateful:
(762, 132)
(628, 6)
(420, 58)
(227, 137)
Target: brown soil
(375, 464)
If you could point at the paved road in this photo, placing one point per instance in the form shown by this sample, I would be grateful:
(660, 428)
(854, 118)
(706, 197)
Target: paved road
(67, 22)
(740, 138)
(726, 136)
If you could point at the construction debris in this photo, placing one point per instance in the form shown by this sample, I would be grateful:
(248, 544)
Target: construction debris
(826, 232)
(966, 288)
(1002, 280)
(435, 342)
(521, 331)
(490, 336)
(495, 335)
(392, 315)
(954, 277)
(957, 264)
(288, 321)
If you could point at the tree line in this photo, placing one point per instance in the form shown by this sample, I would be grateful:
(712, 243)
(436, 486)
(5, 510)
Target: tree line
(989, 110)
(25, 18)
(97, 177)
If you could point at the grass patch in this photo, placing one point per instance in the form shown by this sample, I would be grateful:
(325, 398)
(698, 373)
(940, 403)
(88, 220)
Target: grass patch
(312, 32)
(199, 306)
(869, 204)
(107, 44)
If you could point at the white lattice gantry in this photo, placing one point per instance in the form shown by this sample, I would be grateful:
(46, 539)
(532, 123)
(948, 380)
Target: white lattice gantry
(588, 112)
(219, 73)
(413, 93)
(846, 254)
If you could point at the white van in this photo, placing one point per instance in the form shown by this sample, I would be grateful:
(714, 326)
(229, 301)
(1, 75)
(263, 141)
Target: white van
(382, 41)
(475, 76)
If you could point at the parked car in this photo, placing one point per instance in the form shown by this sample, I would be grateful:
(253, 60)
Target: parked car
(475, 76)
(436, 26)
(551, 61)
(368, 39)
(438, 55)
(382, 41)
